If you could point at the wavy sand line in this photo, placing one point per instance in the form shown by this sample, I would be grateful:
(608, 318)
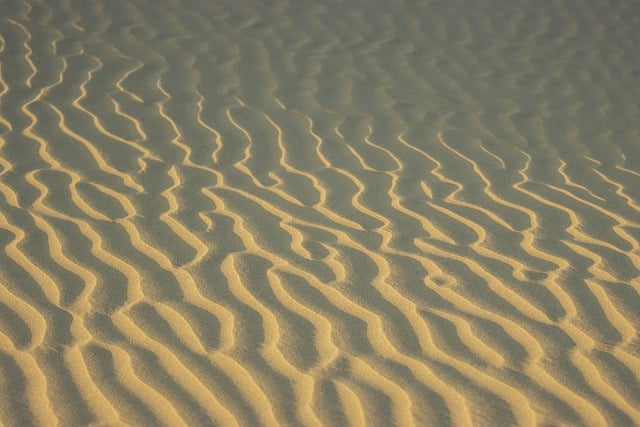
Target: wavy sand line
(51, 160)
(535, 355)
(188, 285)
(530, 238)
(134, 291)
(5, 89)
(451, 198)
(571, 183)
(126, 376)
(96, 399)
(474, 344)
(342, 303)
(327, 349)
(352, 405)
(29, 51)
(492, 281)
(241, 165)
(121, 199)
(29, 314)
(401, 401)
(409, 310)
(620, 190)
(48, 286)
(625, 328)
(177, 134)
(10, 196)
(82, 304)
(287, 222)
(36, 382)
(120, 85)
(146, 154)
(574, 228)
(322, 203)
(102, 164)
(303, 383)
(596, 381)
(215, 133)
(187, 380)
(180, 230)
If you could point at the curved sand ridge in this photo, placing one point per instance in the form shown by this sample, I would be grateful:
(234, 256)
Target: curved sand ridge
(319, 213)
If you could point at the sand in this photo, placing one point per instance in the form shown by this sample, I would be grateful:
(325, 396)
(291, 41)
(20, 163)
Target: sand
(412, 213)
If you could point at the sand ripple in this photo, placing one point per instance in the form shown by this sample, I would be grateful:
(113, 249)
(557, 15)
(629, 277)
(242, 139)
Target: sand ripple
(319, 213)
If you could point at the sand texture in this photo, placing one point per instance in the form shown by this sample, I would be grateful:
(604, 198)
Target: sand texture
(319, 212)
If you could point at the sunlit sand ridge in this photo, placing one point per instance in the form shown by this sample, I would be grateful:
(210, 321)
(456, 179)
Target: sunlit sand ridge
(319, 213)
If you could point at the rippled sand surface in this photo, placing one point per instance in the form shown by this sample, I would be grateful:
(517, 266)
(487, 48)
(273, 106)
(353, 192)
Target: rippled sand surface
(319, 212)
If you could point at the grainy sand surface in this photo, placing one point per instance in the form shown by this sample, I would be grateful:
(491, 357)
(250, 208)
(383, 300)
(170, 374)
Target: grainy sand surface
(319, 212)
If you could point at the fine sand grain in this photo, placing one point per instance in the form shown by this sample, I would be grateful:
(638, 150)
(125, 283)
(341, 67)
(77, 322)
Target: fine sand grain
(318, 212)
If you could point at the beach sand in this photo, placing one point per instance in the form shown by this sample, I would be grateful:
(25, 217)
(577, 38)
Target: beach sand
(411, 213)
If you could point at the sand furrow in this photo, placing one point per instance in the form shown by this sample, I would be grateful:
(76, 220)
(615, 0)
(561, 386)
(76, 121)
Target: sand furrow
(377, 336)
(48, 286)
(35, 385)
(5, 88)
(102, 164)
(194, 391)
(140, 394)
(34, 324)
(302, 383)
(353, 410)
(191, 293)
(182, 232)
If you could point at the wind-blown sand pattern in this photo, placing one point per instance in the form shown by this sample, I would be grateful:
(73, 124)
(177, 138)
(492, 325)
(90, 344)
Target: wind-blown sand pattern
(319, 213)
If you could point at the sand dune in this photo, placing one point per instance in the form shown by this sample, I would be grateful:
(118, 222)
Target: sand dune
(319, 213)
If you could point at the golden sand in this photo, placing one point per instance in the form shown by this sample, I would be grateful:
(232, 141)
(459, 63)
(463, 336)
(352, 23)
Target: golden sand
(404, 213)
